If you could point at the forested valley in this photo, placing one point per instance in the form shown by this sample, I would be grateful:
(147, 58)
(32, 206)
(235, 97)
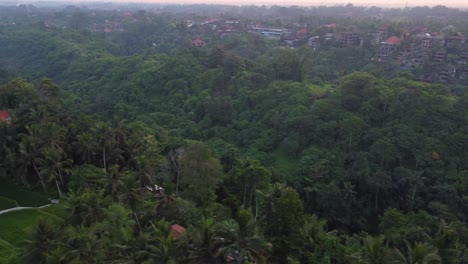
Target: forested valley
(240, 150)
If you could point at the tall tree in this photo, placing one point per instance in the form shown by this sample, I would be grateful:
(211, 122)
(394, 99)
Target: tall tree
(201, 172)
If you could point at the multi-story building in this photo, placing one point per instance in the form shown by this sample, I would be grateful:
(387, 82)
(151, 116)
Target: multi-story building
(389, 46)
(348, 38)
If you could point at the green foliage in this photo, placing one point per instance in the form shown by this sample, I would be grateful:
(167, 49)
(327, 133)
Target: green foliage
(201, 172)
(23, 196)
(61, 210)
(15, 226)
(8, 253)
(259, 151)
(6, 203)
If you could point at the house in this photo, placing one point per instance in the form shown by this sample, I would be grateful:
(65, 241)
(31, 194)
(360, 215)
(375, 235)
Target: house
(447, 72)
(348, 38)
(376, 38)
(271, 33)
(5, 117)
(426, 43)
(389, 46)
(177, 231)
(463, 58)
(329, 36)
(439, 57)
(329, 26)
(314, 41)
(464, 74)
(302, 33)
(198, 43)
(455, 41)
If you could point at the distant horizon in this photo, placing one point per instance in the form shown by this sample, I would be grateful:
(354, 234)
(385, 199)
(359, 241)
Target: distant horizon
(461, 4)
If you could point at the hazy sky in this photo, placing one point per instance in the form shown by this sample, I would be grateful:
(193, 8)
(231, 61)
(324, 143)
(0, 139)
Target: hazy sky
(381, 3)
(400, 3)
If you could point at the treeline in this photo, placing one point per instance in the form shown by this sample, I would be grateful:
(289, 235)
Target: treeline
(234, 208)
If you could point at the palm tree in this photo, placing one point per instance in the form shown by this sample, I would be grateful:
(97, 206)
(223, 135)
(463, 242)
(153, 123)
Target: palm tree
(82, 245)
(30, 156)
(161, 246)
(86, 207)
(421, 253)
(203, 248)
(238, 240)
(85, 147)
(312, 231)
(43, 240)
(115, 182)
(131, 196)
(55, 166)
(105, 139)
(375, 249)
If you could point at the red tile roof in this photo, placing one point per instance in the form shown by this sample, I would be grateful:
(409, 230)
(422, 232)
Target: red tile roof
(177, 231)
(302, 31)
(198, 42)
(393, 40)
(5, 116)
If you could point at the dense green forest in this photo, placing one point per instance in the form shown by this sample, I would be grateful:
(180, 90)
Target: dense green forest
(264, 154)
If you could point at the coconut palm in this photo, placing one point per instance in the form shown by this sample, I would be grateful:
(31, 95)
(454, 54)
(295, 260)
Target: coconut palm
(30, 157)
(238, 241)
(203, 247)
(420, 253)
(85, 147)
(43, 240)
(115, 182)
(81, 245)
(55, 165)
(86, 207)
(375, 249)
(161, 244)
(105, 139)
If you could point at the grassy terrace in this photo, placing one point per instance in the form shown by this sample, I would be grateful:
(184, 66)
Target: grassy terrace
(15, 226)
(9, 193)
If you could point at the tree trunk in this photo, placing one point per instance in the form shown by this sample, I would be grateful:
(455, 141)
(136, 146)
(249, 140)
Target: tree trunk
(58, 187)
(138, 222)
(376, 199)
(245, 195)
(40, 177)
(256, 206)
(104, 158)
(414, 193)
(177, 183)
(61, 178)
(252, 189)
(23, 178)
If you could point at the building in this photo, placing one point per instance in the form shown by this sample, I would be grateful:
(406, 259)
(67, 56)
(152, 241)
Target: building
(439, 57)
(455, 41)
(177, 231)
(271, 33)
(302, 33)
(314, 41)
(389, 46)
(198, 43)
(5, 116)
(426, 43)
(348, 38)
(447, 73)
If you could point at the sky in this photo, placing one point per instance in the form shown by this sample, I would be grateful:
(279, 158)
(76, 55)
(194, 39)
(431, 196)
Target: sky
(380, 3)
(383, 3)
